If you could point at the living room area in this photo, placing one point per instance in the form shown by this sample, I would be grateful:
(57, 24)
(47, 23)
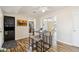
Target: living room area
(39, 29)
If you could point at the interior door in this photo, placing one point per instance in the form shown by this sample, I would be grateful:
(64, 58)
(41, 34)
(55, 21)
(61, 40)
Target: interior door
(9, 28)
(75, 32)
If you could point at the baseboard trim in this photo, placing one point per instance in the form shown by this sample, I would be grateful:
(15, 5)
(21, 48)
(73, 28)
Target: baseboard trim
(22, 38)
(68, 43)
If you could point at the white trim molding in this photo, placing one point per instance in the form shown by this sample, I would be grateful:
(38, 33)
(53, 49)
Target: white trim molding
(71, 44)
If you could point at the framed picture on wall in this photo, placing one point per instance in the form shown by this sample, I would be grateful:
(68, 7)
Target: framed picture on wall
(21, 22)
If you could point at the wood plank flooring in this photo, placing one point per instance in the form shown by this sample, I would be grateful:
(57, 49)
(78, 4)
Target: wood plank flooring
(23, 46)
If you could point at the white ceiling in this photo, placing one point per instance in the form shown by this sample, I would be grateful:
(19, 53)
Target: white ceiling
(33, 11)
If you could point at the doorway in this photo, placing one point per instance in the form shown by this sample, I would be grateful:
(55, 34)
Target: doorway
(9, 28)
(31, 27)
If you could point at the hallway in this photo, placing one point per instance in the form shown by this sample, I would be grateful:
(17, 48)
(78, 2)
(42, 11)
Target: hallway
(47, 25)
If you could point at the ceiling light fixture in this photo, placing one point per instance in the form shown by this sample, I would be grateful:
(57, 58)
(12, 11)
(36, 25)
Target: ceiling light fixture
(43, 9)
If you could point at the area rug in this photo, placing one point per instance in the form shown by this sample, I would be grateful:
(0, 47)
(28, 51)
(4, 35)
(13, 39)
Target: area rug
(10, 44)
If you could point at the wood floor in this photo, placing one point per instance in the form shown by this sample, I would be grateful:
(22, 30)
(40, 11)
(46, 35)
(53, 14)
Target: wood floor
(61, 47)
(23, 46)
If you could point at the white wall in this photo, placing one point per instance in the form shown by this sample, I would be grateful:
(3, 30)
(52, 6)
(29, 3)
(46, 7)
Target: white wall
(21, 31)
(1, 29)
(64, 25)
(75, 28)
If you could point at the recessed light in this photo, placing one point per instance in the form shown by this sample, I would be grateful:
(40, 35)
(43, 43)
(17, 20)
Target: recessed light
(43, 10)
